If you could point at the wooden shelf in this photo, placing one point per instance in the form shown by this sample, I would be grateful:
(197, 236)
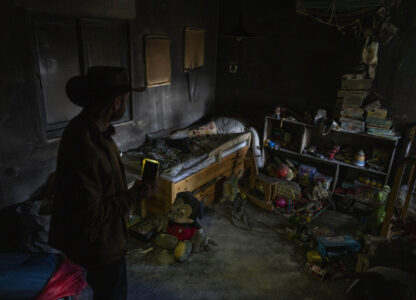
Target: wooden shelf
(344, 164)
(328, 161)
(333, 162)
(351, 197)
(337, 131)
(308, 132)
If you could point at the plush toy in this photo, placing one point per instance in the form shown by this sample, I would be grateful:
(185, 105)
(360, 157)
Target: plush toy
(376, 218)
(183, 234)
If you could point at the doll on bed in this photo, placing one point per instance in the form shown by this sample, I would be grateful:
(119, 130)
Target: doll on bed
(183, 234)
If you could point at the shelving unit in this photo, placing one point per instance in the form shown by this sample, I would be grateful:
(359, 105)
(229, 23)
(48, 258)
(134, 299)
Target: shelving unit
(329, 161)
(306, 132)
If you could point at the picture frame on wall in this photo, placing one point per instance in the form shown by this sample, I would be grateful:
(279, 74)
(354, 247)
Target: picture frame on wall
(158, 61)
(194, 47)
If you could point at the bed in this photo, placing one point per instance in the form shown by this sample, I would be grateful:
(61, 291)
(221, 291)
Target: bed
(199, 164)
(213, 160)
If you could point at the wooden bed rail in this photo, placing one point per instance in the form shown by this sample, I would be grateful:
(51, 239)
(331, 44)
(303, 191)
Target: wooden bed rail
(398, 178)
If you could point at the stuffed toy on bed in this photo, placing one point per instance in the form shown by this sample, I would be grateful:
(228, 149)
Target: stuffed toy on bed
(183, 234)
(222, 125)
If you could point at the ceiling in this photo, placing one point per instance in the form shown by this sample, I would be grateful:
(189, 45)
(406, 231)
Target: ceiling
(341, 13)
(340, 5)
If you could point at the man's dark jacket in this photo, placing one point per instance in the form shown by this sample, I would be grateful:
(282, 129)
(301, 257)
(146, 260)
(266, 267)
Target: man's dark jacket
(92, 200)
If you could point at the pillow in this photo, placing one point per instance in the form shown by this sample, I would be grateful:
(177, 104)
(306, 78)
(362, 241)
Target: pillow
(206, 129)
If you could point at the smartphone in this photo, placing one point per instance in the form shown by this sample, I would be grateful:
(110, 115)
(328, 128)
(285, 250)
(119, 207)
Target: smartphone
(150, 169)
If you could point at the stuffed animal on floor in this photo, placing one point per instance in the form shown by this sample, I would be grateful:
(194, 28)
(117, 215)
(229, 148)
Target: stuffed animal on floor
(183, 234)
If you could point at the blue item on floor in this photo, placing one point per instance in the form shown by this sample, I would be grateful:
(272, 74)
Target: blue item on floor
(23, 276)
(336, 245)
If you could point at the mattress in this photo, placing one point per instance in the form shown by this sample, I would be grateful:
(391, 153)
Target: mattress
(177, 163)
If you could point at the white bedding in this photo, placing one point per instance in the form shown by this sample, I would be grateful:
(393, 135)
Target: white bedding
(226, 125)
(216, 147)
(199, 163)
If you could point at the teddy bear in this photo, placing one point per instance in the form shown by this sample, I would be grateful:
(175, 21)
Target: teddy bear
(182, 232)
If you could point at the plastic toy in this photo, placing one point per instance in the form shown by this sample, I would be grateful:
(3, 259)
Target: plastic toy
(336, 245)
(282, 171)
(315, 271)
(333, 151)
(359, 159)
(280, 202)
(277, 112)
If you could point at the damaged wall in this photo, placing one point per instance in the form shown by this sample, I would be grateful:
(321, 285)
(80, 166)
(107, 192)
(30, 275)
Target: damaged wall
(289, 59)
(395, 82)
(26, 155)
(295, 60)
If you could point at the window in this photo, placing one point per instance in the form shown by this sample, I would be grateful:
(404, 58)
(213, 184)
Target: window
(66, 47)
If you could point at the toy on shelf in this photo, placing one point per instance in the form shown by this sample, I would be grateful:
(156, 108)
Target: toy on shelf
(312, 150)
(306, 174)
(271, 144)
(323, 179)
(333, 152)
(277, 112)
(370, 182)
(359, 159)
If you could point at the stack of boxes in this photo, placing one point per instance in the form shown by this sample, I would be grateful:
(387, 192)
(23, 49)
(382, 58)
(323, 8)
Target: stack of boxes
(354, 118)
(350, 98)
(378, 124)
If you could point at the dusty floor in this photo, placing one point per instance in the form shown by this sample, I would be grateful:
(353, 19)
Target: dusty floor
(246, 264)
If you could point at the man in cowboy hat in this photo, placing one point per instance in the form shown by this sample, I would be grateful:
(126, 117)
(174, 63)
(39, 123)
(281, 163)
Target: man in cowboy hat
(92, 198)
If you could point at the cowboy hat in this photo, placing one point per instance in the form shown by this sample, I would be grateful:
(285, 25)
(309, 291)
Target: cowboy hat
(103, 82)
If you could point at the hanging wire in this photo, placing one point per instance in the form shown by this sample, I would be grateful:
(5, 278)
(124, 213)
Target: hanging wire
(341, 14)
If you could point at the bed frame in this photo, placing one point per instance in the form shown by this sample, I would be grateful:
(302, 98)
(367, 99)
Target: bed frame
(206, 184)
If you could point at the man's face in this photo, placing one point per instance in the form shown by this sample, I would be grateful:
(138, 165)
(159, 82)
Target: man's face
(120, 107)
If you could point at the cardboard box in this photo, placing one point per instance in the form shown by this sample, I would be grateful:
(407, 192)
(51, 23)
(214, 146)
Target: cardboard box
(378, 113)
(351, 103)
(379, 122)
(353, 76)
(356, 94)
(360, 85)
(351, 125)
(349, 99)
(353, 113)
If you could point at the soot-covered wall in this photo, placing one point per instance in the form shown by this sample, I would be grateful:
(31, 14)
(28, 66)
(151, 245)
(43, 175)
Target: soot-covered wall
(27, 157)
(294, 60)
(289, 59)
(395, 81)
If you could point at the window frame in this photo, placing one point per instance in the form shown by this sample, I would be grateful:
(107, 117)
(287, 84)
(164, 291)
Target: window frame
(55, 130)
